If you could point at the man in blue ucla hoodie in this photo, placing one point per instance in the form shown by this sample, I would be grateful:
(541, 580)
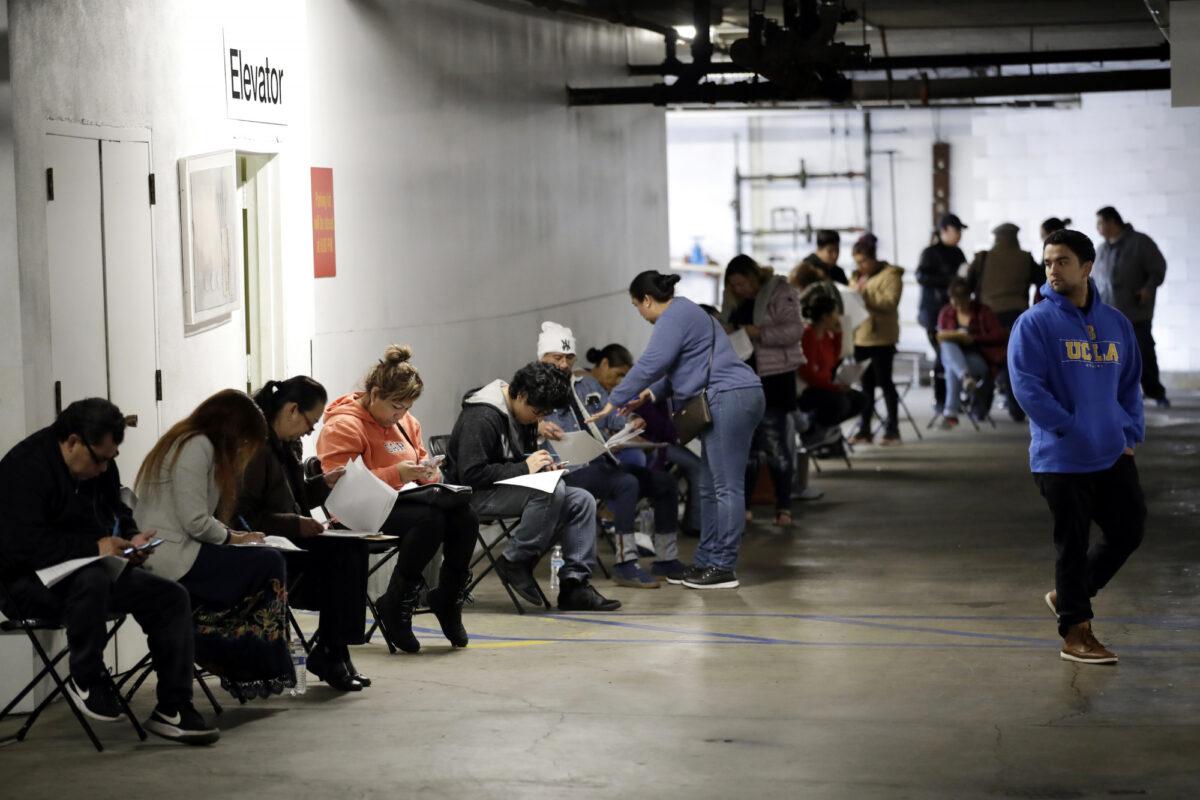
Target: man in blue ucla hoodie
(1076, 370)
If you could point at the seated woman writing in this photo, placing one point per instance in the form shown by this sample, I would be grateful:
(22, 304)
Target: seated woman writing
(973, 346)
(189, 489)
(830, 402)
(375, 424)
(330, 575)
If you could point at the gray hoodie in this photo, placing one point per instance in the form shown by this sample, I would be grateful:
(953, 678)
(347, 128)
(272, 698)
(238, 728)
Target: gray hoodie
(487, 443)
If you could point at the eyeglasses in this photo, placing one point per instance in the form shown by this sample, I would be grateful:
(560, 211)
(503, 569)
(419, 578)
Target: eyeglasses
(100, 460)
(311, 423)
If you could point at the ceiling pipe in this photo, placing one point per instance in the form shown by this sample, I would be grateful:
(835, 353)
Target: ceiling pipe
(902, 91)
(1159, 52)
(617, 13)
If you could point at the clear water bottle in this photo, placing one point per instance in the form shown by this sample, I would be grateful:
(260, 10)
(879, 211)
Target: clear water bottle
(556, 563)
(300, 663)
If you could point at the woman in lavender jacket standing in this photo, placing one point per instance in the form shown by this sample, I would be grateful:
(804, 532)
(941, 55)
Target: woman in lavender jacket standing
(676, 362)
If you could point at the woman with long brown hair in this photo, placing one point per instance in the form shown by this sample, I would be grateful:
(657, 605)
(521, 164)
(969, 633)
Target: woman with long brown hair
(189, 490)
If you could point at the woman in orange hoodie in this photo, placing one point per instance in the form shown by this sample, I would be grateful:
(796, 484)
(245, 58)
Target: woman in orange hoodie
(375, 424)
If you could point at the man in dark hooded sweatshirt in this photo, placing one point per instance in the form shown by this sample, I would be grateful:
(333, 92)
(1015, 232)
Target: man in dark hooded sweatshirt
(494, 439)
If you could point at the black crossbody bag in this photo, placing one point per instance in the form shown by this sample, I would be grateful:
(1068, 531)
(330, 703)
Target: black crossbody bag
(696, 416)
(439, 495)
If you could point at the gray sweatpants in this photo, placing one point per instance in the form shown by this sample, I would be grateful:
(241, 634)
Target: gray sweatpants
(567, 516)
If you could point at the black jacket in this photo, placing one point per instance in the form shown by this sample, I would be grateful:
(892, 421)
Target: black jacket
(274, 492)
(49, 517)
(835, 273)
(487, 445)
(937, 267)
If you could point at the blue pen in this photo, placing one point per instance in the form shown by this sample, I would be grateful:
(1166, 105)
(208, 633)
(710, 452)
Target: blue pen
(245, 525)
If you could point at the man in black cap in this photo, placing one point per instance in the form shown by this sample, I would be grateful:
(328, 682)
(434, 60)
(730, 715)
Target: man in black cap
(938, 265)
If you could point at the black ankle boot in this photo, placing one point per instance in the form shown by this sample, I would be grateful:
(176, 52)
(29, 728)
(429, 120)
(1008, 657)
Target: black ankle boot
(396, 608)
(446, 602)
(327, 666)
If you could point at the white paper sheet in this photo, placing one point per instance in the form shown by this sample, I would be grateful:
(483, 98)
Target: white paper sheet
(319, 515)
(541, 481)
(360, 500)
(623, 436)
(374, 537)
(578, 447)
(277, 542)
(850, 372)
(743, 348)
(49, 576)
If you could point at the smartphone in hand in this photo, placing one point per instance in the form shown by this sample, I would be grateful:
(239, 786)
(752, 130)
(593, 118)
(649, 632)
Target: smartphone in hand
(148, 546)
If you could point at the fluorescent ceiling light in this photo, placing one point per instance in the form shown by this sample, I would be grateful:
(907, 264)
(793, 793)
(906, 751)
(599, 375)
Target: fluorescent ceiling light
(686, 31)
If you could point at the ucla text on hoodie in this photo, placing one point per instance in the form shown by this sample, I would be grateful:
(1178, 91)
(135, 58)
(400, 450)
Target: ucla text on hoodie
(1077, 373)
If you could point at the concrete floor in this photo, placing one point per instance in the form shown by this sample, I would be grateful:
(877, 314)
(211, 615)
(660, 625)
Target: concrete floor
(893, 645)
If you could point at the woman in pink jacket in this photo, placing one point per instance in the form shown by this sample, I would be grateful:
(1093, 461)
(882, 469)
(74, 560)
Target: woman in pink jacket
(767, 308)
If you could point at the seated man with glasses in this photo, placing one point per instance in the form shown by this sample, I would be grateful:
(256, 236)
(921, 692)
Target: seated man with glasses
(494, 439)
(61, 494)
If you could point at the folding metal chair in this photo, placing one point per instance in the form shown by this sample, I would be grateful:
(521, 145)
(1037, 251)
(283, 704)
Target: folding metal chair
(967, 401)
(30, 625)
(437, 447)
(140, 671)
(903, 387)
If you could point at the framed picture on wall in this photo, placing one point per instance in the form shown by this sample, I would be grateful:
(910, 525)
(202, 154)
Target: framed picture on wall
(212, 251)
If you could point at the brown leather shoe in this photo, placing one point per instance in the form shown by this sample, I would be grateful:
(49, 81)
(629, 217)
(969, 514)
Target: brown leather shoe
(1082, 647)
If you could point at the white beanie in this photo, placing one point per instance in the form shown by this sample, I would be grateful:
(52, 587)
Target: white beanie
(555, 338)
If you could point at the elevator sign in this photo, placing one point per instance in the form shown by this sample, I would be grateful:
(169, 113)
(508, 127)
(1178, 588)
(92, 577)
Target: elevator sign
(257, 82)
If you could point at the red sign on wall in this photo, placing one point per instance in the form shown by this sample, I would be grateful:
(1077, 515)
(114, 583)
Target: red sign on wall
(324, 252)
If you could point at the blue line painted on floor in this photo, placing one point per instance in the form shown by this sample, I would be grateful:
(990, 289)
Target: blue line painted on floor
(1167, 622)
(664, 629)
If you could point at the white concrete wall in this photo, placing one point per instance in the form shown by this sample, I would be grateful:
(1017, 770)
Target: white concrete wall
(471, 202)
(1129, 150)
(147, 64)
(701, 165)
(12, 380)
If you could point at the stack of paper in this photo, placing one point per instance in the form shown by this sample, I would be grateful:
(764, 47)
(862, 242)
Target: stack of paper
(113, 565)
(630, 432)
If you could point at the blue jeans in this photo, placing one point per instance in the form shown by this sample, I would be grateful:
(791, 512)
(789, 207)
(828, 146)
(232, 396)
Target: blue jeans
(620, 487)
(726, 450)
(568, 515)
(959, 363)
(693, 469)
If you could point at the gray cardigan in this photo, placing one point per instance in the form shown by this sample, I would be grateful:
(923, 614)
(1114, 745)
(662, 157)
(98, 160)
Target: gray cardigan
(179, 504)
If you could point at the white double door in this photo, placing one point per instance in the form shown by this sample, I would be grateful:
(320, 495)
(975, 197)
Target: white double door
(103, 331)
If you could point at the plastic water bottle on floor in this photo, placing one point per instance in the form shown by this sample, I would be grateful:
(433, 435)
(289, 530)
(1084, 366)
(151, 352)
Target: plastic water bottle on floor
(300, 663)
(556, 563)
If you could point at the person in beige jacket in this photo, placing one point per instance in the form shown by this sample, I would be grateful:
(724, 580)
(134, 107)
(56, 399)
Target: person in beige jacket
(188, 487)
(879, 283)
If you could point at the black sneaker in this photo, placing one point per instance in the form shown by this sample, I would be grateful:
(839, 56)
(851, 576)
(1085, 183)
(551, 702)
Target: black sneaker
(711, 578)
(99, 701)
(184, 725)
(576, 595)
(519, 576)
